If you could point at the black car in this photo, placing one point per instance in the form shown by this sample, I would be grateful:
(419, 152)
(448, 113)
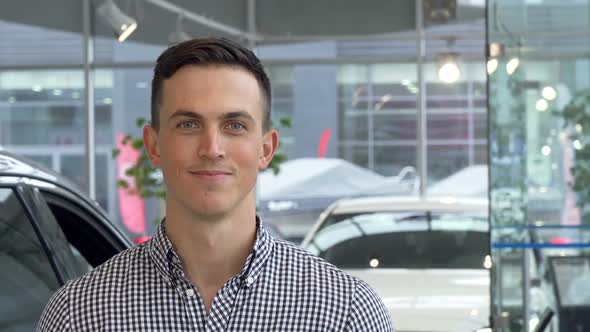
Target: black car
(50, 232)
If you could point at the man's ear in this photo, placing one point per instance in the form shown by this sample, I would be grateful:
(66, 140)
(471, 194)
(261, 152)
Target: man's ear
(270, 142)
(150, 141)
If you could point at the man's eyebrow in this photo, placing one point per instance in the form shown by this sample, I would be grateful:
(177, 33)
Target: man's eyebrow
(226, 116)
(184, 113)
(238, 114)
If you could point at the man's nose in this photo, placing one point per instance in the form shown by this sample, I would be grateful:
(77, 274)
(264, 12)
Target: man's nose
(210, 145)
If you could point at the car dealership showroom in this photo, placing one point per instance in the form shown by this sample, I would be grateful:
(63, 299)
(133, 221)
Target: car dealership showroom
(434, 149)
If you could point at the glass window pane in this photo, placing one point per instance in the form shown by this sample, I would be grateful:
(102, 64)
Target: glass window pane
(448, 126)
(390, 160)
(26, 44)
(73, 166)
(444, 160)
(458, 89)
(480, 125)
(27, 280)
(357, 155)
(41, 108)
(391, 126)
(353, 123)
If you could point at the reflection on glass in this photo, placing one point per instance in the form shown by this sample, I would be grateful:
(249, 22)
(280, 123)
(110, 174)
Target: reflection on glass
(573, 280)
(27, 280)
(538, 178)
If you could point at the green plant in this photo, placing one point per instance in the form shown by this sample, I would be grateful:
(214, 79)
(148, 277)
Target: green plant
(576, 115)
(145, 175)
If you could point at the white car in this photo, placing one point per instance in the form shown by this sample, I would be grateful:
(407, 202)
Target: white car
(427, 259)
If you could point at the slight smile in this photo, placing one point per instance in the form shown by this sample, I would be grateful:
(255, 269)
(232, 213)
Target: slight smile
(211, 176)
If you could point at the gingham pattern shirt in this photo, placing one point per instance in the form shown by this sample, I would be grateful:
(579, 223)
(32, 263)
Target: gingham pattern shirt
(281, 288)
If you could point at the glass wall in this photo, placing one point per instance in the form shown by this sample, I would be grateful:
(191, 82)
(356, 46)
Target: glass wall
(539, 77)
(349, 102)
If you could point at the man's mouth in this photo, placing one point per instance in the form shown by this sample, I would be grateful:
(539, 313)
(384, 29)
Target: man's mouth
(211, 175)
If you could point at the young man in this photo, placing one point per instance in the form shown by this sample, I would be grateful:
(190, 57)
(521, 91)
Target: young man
(212, 266)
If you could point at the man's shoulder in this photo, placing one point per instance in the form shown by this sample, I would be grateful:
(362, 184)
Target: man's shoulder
(365, 310)
(114, 270)
(74, 296)
(304, 262)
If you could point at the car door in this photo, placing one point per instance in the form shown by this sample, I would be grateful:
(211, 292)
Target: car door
(28, 275)
(48, 237)
(80, 236)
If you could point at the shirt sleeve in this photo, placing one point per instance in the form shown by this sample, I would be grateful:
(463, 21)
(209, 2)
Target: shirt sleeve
(367, 311)
(56, 316)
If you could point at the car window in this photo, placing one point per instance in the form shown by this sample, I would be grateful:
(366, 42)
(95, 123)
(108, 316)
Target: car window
(404, 240)
(86, 232)
(27, 279)
(70, 262)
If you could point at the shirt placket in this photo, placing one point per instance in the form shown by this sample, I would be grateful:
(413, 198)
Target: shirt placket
(223, 306)
(193, 304)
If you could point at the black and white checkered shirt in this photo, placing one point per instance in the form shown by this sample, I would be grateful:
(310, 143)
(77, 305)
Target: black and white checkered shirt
(281, 288)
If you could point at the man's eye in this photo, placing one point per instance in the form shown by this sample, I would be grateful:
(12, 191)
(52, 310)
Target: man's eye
(235, 126)
(187, 125)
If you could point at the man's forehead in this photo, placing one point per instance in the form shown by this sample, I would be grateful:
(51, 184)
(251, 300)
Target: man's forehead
(175, 90)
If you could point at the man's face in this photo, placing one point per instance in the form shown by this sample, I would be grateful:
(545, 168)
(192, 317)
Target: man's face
(210, 144)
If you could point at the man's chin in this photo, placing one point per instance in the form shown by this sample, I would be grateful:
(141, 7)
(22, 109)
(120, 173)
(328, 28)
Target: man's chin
(211, 211)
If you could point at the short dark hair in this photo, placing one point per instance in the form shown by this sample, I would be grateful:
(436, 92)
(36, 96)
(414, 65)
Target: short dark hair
(204, 52)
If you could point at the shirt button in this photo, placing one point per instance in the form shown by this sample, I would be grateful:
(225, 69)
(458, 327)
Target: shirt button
(249, 281)
(190, 292)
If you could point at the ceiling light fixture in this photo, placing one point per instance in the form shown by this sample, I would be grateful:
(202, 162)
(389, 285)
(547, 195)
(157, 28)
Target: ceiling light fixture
(448, 69)
(121, 24)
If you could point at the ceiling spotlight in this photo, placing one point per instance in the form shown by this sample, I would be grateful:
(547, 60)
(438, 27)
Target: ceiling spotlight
(122, 25)
(549, 93)
(448, 69)
(179, 35)
(512, 65)
(492, 65)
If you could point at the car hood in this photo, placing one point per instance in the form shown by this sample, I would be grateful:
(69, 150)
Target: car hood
(432, 300)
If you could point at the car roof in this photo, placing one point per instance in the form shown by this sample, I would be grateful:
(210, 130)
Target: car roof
(409, 203)
(15, 166)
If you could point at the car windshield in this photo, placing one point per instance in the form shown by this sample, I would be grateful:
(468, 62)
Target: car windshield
(435, 240)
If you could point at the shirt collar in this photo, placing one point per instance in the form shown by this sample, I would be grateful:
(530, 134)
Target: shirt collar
(166, 260)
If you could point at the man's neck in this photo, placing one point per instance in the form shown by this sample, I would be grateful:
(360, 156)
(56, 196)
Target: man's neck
(212, 251)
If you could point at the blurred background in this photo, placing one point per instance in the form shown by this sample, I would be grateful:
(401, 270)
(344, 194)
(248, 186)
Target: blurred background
(426, 98)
